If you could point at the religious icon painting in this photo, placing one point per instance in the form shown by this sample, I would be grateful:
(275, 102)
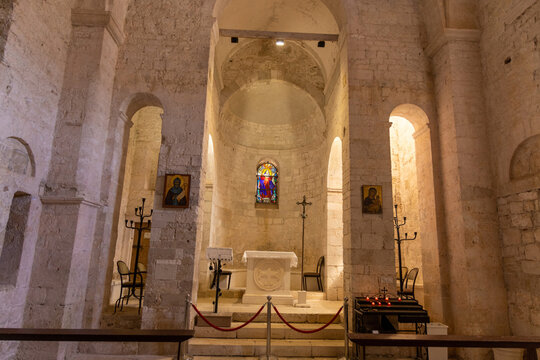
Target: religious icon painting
(372, 199)
(267, 183)
(176, 191)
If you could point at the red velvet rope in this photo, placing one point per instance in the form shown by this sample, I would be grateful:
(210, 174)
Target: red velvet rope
(231, 329)
(307, 331)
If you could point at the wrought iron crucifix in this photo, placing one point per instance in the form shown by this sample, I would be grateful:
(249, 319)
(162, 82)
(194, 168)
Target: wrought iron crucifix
(304, 203)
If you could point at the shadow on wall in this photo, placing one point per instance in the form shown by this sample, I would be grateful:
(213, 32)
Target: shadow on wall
(16, 156)
(10, 257)
(526, 159)
(6, 12)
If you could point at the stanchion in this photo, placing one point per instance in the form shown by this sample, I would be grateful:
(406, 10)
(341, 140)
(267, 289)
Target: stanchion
(268, 326)
(182, 347)
(346, 320)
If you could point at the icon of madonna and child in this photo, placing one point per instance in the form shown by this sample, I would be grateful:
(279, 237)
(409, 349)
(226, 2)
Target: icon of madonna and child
(267, 176)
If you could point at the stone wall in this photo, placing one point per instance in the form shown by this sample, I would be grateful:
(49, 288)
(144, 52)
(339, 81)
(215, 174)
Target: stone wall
(6, 10)
(519, 218)
(387, 67)
(31, 74)
(244, 225)
(169, 59)
(510, 59)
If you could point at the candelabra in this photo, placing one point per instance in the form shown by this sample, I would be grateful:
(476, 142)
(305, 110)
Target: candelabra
(398, 225)
(139, 211)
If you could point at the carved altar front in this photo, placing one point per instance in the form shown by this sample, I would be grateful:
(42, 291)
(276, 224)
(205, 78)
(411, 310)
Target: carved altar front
(269, 273)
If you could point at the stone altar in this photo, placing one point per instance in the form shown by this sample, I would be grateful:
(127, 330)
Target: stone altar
(269, 273)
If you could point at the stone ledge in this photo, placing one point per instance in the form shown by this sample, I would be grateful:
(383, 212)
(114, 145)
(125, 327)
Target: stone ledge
(98, 18)
(450, 35)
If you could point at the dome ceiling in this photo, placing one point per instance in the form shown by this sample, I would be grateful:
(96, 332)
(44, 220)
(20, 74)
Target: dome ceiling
(278, 15)
(271, 103)
(263, 60)
(271, 115)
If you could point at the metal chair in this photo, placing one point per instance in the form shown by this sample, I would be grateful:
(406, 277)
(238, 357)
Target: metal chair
(410, 281)
(317, 274)
(127, 281)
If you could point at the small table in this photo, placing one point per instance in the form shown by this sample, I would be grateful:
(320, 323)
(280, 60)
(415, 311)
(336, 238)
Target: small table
(269, 273)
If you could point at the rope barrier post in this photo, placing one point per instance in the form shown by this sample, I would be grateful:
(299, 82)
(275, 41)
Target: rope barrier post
(346, 320)
(182, 346)
(268, 326)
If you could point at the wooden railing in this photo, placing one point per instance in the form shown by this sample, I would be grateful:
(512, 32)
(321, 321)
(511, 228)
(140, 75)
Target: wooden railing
(530, 344)
(101, 335)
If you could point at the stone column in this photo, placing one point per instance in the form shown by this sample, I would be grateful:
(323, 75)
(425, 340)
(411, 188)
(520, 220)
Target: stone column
(173, 257)
(431, 221)
(369, 263)
(477, 294)
(71, 196)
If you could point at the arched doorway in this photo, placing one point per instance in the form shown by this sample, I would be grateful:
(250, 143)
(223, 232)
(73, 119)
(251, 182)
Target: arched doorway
(139, 181)
(414, 192)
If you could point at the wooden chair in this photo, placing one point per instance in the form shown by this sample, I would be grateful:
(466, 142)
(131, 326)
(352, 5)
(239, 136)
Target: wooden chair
(408, 287)
(404, 271)
(127, 281)
(317, 274)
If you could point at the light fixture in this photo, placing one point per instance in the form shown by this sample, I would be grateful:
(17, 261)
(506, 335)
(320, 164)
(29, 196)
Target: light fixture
(280, 42)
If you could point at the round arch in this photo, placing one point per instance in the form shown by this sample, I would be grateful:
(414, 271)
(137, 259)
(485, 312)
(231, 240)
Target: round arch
(413, 113)
(24, 163)
(335, 8)
(137, 101)
(419, 199)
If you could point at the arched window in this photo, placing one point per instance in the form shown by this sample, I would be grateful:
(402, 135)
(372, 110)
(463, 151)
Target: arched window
(267, 183)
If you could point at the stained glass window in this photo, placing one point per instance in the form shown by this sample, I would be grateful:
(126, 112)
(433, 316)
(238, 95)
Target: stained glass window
(267, 182)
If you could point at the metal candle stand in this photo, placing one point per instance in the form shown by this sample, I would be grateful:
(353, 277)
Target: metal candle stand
(139, 211)
(304, 216)
(216, 266)
(398, 225)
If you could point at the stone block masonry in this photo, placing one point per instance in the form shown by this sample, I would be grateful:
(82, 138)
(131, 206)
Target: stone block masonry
(519, 218)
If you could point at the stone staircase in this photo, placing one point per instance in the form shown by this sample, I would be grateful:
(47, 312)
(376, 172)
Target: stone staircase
(249, 342)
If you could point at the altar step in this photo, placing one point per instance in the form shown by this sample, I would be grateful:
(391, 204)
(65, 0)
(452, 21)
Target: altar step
(291, 317)
(262, 358)
(117, 357)
(292, 358)
(279, 331)
(256, 347)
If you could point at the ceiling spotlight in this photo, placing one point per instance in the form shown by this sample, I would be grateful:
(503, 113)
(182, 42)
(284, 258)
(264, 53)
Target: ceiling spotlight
(321, 43)
(234, 40)
(280, 42)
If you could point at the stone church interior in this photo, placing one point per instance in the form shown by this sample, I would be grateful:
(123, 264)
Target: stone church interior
(168, 165)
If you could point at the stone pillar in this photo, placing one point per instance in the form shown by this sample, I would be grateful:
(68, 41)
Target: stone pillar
(369, 262)
(173, 258)
(71, 196)
(476, 293)
(431, 221)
